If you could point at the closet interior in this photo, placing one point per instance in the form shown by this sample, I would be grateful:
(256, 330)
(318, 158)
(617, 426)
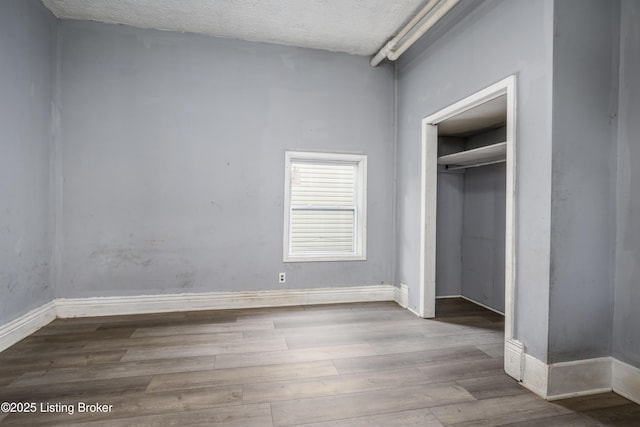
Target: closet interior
(471, 205)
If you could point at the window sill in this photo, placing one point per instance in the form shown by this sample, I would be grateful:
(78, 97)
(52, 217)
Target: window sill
(325, 258)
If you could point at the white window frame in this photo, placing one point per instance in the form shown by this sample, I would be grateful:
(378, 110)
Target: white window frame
(360, 217)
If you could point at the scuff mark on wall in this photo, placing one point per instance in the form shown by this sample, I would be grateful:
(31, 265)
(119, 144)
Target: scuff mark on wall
(18, 247)
(186, 279)
(11, 283)
(118, 256)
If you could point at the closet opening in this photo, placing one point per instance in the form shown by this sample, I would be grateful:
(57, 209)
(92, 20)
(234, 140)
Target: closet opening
(468, 182)
(471, 193)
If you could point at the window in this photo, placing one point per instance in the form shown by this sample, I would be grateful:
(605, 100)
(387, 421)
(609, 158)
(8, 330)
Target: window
(325, 197)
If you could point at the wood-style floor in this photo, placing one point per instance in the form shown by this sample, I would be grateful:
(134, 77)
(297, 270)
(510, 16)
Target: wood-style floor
(370, 364)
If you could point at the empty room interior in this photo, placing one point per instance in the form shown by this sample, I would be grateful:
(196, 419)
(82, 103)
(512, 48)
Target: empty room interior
(320, 212)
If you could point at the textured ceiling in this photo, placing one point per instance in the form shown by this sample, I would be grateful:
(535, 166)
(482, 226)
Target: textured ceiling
(359, 27)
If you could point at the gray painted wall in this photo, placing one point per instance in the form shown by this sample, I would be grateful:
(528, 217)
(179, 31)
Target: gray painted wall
(173, 148)
(449, 222)
(449, 234)
(626, 345)
(583, 196)
(27, 59)
(497, 39)
(483, 227)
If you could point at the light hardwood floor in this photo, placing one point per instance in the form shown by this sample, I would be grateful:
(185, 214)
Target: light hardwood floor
(371, 364)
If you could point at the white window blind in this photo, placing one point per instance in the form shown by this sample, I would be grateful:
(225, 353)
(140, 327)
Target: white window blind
(324, 218)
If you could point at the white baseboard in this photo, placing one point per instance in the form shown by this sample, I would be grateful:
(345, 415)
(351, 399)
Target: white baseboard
(107, 306)
(414, 312)
(514, 358)
(579, 378)
(25, 325)
(567, 379)
(626, 380)
(535, 375)
(401, 295)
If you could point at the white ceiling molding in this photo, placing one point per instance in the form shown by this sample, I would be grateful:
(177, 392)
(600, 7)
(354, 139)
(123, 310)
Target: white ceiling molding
(357, 27)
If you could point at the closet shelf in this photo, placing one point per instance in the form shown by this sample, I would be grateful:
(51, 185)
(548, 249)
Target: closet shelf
(478, 156)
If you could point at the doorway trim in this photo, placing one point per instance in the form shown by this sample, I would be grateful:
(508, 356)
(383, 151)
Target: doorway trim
(428, 203)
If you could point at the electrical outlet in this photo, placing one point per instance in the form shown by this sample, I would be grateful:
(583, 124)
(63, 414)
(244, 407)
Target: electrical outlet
(282, 277)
